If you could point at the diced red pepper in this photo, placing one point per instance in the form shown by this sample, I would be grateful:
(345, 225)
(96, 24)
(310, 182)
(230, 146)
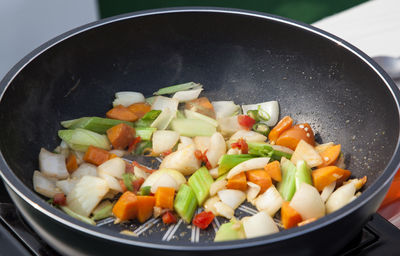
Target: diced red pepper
(60, 199)
(242, 145)
(246, 121)
(133, 144)
(203, 219)
(136, 184)
(168, 218)
(203, 158)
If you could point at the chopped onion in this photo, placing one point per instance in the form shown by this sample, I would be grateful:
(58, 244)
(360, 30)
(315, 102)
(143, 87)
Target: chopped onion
(252, 164)
(232, 197)
(153, 178)
(340, 197)
(270, 201)
(83, 170)
(66, 185)
(260, 224)
(282, 149)
(229, 125)
(252, 191)
(306, 152)
(44, 185)
(224, 210)
(216, 150)
(164, 180)
(327, 191)
(308, 202)
(270, 108)
(202, 143)
(209, 205)
(163, 120)
(188, 95)
(140, 173)
(214, 172)
(52, 165)
(195, 115)
(114, 167)
(225, 108)
(182, 160)
(164, 140)
(249, 136)
(111, 181)
(127, 98)
(185, 140)
(79, 156)
(217, 186)
(233, 151)
(118, 152)
(162, 103)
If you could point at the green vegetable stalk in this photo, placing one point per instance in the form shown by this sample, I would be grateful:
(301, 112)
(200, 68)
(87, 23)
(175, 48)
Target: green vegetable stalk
(177, 88)
(145, 133)
(145, 191)
(261, 149)
(303, 173)
(227, 162)
(94, 124)
(287, 187)
(148, 118)
(77, 216)
(128, 178)
(80, 139)
(103, 211)
(185, 203)
(200, 182)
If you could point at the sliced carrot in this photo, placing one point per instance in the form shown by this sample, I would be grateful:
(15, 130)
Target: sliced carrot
(330, 155)
(121, 113)
(145, 207)
(284, 124)
(165, 197)
(121, 135)
(259, 177)
(126, 208)
(201, 105)
(95, 155)
(291, 137)
(139, 109)
(71, 163)
(289, 216)
(324, 176)
(274, 170)
(238, 182)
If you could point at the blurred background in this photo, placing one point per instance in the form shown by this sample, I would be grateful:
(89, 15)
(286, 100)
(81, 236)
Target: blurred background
(26, 24)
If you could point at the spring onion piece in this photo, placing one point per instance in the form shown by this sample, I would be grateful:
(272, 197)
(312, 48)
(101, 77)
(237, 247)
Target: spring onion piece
(227, 162)
(303, 173)
(264, 149)
(148, 118)
(128, 98)
(177, 88)
(232, 230)
(80, 139)
(102, 211)
(185, 203)
(200, 182)
(225, 108)
(261, 128)
(77, 216)
(128, 178)
(193, 127)
(94, 124)
(145, 133)
(287, 186)
(145, 191)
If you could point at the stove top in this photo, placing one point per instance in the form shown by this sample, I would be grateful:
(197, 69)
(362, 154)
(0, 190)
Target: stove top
(378, 237)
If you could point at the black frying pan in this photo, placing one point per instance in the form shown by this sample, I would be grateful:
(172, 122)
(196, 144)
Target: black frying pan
(242, 56)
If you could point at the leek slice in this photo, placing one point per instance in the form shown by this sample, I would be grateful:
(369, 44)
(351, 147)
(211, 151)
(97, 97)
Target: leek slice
(80, 139)
(194, 115)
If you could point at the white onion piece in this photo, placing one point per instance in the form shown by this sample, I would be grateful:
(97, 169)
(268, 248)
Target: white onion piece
(252, 164)
(216, 150)
(322, 147)
(214, 172)
(79, 156)
(225, 108)
(43, 185)
(327, 191)
(140, 173)
(185, 140)
(163, 120)
(252, 191)
(128, 98)
(217, 186)
(282, 149)
(182, 160)
(270, 201)
(202, 142)
(84, 170)
(52, 165)
(209, 205)
(308, 202)
(111, 181)
(188, 95)
(177, 176)
(164, 180)
(306, 152)
(232, 197)
(66, 185)
(260, 224)
(340, 197)
(164, 140)
(162, 103)
(223, 210)
(86, 194)
(63, 149)
(271, 107)
(118, 152)
(233, 151)
(114, 167)
(249, 136)
(229, 125)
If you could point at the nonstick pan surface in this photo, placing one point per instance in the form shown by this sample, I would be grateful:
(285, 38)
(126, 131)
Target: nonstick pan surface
(242, 56)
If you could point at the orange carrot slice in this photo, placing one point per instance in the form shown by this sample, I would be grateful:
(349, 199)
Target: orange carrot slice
(121, 135)
(324, 176)
(145, 207)
(289, 216)
(71, 163)
(284, 124)
(95, 155)
(165, 197)
(238, 182)
(201, 105)
(330, 155)
(121, 113)
(291, 137)
(126, 208)
(259, 177)
(274, 170)
(139, 109)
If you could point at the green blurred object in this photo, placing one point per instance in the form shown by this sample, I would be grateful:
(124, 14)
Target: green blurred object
(307, 11)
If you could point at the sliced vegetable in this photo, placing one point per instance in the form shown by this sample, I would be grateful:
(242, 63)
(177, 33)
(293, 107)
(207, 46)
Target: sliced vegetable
(94, 124)
(209, 204)
(291, 137)
(269, 111)
(192, 127)
(232, 197)
(195, 115)
(202, 143)
(128, 178)
(203, 219)
(165, 180)
(164, 141)
(177, 88)
(102, 211)
(216, 149)
(200, 182)
(287, 186)
(188, 95)
(71, 163)
(183, 160)
(83, 170)
(164, 119)
(126, 208)
(121, 135)
(168, 218)
(127, 98)
(227, 162)
(66, 185)
(232, 230)
(43, 185)
(289, 216)
(252, 164)
(145, 207)
(327, 191)
(185, 203)
(148, 118)
(259, 224)
(217, 186)
(155, 176)
(165, 197)
(330, 155)
(145, 191)
(261, 128)
(252, 191)
(229, 125)
(259, 177)
(284, 124)
(241, 145)
(270, 201)
(246, 121)
(324, 176)
(238, 182)
(322, 147)
(139, 109)
(343, 195)
(80, 139)
(77, 216)
(274, 170)
(52, 165)
(201, 105)
(114, 167)
(306, 152)
(145, 133)
(224, 210)
(112, 182)
(249, 136)
(264, 149)
(122, 113)
(225, 108)
(308, 202)
(303, 173)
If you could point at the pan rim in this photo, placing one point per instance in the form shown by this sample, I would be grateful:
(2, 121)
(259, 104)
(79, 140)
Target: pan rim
(36, 202)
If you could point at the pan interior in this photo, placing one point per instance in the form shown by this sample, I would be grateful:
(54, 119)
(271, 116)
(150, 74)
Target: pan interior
(246, 59)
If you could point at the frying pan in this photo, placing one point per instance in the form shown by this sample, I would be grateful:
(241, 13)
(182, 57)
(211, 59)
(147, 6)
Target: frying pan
(243, 56)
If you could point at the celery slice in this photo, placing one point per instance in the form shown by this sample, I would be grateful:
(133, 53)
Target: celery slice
(94, 124)
(145, 133)
(104, 210)
(232, 230)
(227, 162)
(185, 203)
(77, 216)
(303, 173)
(192, 127)
(287, 187)
(200, 182)
(80, 139)
(177, 88)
